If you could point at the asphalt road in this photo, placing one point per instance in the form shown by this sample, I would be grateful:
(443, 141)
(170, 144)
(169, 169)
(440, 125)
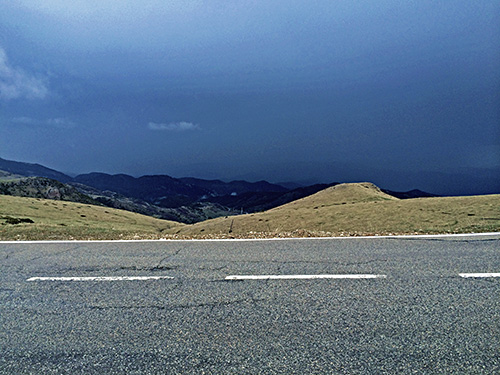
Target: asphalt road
(420, 316)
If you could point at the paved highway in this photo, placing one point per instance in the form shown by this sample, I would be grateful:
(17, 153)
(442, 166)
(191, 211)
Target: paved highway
(180, 307)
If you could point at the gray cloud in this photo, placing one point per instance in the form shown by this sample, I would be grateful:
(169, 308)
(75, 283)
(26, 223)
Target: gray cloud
(58, 122)
(25, 120)
(62, 123)
(16, 83)
(174, 126)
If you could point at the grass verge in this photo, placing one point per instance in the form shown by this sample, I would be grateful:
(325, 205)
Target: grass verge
(338, 213)
(42, 219)
(343, 210)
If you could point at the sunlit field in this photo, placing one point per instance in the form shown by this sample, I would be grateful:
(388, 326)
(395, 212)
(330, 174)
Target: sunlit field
(343, 210)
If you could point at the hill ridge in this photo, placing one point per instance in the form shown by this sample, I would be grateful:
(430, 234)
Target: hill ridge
(358, 209)
(346, 193)
(187, 199)
(369, 214)
(32, 170)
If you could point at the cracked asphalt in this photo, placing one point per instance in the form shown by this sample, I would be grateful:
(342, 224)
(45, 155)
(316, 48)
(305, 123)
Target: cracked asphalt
(422, 318)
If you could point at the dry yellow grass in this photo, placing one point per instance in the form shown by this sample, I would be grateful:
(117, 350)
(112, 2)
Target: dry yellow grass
(60, 220)
(359, 209)
(342, 210)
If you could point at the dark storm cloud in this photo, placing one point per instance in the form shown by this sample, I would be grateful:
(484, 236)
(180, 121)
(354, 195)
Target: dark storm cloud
(404, 93)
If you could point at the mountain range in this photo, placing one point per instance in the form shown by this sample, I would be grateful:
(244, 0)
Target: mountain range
(186, 200)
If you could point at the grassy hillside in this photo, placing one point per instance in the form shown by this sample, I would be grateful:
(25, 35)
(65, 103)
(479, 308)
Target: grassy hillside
(42, 219)
(42, 187)
(342, 210)
(359, 209)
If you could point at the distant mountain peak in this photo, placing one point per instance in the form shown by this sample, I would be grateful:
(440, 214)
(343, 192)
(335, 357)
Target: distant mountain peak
(32, 170)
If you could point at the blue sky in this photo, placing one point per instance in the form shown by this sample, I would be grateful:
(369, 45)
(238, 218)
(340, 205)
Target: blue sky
(405, 94)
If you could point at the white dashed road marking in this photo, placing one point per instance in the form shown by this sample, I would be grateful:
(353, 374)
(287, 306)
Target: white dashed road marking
(479, 275)
(290, 277)
(100, 278)
(242, 277)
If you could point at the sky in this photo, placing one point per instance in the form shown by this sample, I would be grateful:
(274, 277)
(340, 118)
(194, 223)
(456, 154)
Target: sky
(405, 94)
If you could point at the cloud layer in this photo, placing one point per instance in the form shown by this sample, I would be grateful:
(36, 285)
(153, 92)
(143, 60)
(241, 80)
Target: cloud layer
(174, 126)
(59, 122)
(15, 83)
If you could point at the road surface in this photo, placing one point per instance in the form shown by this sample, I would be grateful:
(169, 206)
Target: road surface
(381, 305)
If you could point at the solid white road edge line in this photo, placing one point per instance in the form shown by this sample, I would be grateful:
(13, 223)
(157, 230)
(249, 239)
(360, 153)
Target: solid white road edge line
(479, 275)
(417, 236)
(290, 277)
(100, 278)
